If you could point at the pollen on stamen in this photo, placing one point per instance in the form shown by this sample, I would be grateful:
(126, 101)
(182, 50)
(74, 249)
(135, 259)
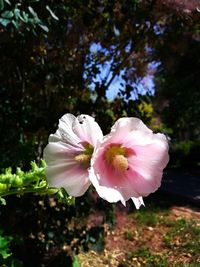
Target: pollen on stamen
(82, 158)
(120, 163)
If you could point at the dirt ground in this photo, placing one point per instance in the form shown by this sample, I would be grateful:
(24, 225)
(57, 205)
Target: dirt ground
(127, 237)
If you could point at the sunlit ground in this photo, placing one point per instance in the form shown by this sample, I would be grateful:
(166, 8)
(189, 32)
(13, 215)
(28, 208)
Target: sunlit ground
(150, 237)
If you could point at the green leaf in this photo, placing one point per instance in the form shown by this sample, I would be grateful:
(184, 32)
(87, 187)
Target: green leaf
(76, 262)
(7, 14)
(17, 13)
(25, 16)
(32, 11)
(45, 28)
(2, 201)
(7, 1)
(16, 263)
(4, 22)
(52, 13)
(4, 250)
(1, 4)
(15, 24)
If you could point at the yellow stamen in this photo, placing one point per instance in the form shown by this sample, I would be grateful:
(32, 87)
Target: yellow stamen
(82, 158)
(85, 157)
(116, 156)
(112, 151)
(120, 163)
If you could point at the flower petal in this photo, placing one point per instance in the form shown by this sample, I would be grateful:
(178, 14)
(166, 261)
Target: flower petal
(65, 131)
(138, 202)
(110, 184)
(145, 164)
(71, 178)
(146, 168)
(87, 129)
(108, 193)
(63, 170)
(129, 127)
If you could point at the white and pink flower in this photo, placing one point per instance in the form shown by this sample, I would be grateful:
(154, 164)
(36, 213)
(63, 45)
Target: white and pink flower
(128, 163)
(69, 152)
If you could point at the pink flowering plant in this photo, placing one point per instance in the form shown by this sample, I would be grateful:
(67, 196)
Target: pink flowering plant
(69, 153)
(125, 164)
(128, 163)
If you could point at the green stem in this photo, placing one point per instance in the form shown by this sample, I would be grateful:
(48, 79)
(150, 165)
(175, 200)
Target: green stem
(35, 190)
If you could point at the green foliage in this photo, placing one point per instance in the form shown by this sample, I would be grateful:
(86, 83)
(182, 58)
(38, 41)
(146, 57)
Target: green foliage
(148, 259)
(23, 16)
(147, 216)
(32, 181)
(179, 90)
(6, 257)
(185, 153)
(184, 236)
(49, 232)
(4, 249)
(76, 262)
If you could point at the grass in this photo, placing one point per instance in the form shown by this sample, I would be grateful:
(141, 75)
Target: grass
(180, 240)
(146, 258)
(184, 237)
(151, 216)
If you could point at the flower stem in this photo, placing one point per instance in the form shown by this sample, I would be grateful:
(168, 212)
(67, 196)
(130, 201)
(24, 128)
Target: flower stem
(35, 190)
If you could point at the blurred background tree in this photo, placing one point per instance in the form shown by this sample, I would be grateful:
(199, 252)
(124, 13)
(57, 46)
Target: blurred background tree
(53, 56)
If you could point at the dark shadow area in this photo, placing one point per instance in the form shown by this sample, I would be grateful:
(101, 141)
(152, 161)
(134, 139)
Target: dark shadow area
(179, 187)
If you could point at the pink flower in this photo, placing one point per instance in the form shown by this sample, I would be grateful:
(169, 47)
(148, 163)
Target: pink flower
(129, 162)
(69, 152)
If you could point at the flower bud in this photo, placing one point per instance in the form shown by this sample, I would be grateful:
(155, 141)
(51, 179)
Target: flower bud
(17, 181)
(3, 187)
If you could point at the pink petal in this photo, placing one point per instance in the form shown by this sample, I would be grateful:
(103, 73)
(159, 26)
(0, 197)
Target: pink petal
(146, 164)
(110, 184)
(146, 168)
(63, 170)
(129, 127)
(110, 194)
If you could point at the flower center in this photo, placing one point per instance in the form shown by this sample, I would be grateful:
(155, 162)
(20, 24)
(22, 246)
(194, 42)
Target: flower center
(85, 156)
(116, 156)
(120, 163)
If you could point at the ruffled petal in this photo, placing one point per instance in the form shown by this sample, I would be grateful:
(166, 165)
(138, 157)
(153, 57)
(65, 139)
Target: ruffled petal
(87, 129)
(110, 194)
(61, 154)
(58, 151)
(65, 131)
(127, 127)
(145, 164)
(146, 168)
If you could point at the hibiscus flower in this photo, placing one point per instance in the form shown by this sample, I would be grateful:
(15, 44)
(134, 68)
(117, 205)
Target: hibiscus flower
(69, 152)
(128, 163)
